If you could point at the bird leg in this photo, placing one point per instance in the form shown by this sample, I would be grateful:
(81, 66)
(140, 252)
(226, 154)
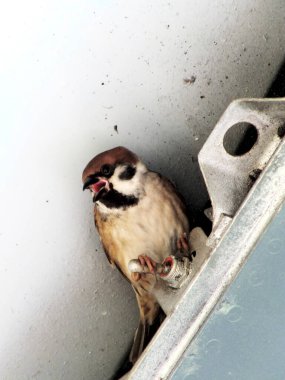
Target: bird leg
(183, 243)
(183, 246)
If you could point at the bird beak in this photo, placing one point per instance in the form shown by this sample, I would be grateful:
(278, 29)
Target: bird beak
(90, 181)
(96, 185)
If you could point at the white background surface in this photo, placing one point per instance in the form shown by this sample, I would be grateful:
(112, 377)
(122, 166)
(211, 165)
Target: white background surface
(64, 313)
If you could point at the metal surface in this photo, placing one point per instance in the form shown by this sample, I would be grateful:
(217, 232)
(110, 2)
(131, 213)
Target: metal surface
(228, 176)
(225, 262)
(179, 272)
(244, 337)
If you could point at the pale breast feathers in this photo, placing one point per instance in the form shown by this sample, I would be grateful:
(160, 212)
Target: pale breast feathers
(151, 227)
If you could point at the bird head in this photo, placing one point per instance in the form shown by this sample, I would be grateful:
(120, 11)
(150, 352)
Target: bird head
(114, 177)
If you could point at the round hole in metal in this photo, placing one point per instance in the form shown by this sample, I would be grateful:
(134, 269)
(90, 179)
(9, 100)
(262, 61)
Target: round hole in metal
(240, 138)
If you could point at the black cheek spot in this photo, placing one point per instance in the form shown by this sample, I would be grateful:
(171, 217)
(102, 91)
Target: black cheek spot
(128, 173)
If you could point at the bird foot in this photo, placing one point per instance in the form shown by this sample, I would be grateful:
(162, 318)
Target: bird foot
(147, 261)
(149, 266)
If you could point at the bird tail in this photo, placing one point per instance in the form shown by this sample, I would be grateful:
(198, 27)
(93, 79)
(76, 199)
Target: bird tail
(146, 329)
(139, 342)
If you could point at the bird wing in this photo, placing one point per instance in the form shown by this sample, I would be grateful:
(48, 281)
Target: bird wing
(98, 224)
(102, 232)
(171, 188)
(181, 202)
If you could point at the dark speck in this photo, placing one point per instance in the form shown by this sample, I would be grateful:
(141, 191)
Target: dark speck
(202, 96)
(116, 129)
(189, 80)
(254, 174)
(281, 131)
(102, 84)
(47, 201)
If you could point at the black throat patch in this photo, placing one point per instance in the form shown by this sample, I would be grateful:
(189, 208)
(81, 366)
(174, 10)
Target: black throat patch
(114, 199)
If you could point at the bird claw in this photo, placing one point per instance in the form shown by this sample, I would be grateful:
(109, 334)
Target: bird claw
(149, 266)
(183, 243)
(184, 246)
(135, 276)
(147, 261)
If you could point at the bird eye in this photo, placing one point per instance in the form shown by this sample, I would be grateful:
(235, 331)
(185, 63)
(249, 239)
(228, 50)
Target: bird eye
(106, 169)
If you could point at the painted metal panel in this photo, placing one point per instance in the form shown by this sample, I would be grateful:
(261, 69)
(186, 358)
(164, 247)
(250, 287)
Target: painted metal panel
(245, 336)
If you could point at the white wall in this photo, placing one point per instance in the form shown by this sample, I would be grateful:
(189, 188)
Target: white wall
(64, 313)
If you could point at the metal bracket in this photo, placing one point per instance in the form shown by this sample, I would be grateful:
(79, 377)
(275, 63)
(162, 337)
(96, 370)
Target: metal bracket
(236, 152)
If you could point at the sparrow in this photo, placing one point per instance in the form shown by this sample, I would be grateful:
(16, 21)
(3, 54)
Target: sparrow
(139, 214)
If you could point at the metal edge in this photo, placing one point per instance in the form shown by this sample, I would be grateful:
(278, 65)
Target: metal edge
(199, 299)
